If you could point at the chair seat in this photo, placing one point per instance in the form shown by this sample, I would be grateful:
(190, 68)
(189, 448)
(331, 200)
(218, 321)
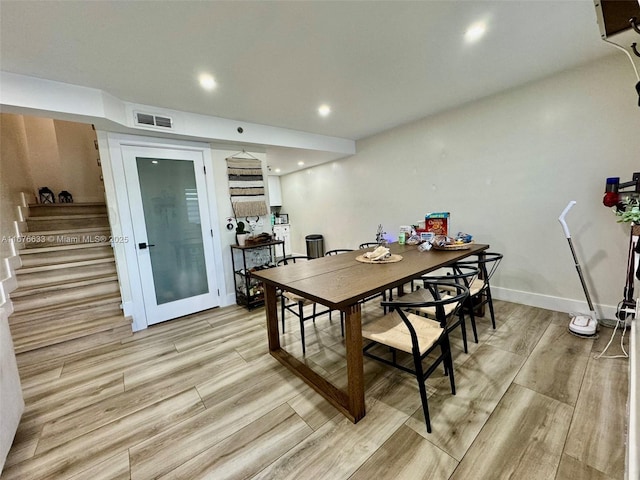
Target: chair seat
(297, 298)
(476, 286)
(390, 330)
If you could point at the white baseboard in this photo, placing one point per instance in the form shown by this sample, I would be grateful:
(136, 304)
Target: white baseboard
(551, 303)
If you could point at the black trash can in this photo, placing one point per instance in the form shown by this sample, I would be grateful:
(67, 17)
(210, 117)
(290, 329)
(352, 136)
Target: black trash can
(315, 246)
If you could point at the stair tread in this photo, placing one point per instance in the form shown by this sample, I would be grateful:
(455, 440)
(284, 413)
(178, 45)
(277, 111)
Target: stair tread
(64, 205)
(62, 248)
(73, 216)
(44, 326)
(84, 303)
(67, 230)
(67, 333)
(21, 292)
(55, 258)
(57, 266)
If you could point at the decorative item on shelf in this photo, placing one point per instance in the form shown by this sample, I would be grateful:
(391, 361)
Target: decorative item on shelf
(259, 239)
(241, 234)
(252, 224)
(65, 197)
(46, 195)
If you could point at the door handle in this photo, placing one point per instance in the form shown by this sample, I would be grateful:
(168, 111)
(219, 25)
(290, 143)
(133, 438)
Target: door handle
(144, 245)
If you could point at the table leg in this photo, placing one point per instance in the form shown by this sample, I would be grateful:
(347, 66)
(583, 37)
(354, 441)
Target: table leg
(355, 368)
(271, 308)
(351, 402)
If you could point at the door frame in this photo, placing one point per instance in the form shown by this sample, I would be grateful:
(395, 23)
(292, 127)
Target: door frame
(117, 199)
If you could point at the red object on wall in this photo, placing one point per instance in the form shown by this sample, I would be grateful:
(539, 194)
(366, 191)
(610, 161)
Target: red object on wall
(611, 199)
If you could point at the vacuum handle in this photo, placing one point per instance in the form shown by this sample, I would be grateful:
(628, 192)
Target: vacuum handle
(564, 214)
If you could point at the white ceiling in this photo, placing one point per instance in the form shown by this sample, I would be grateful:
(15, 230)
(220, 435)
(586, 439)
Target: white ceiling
(378, 64)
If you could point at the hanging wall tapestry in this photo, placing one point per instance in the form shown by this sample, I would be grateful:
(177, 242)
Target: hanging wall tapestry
(246, 187)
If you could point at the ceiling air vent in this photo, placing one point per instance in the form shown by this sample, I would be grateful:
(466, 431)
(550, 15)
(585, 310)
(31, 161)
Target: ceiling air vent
(163, 122)
(149, 120)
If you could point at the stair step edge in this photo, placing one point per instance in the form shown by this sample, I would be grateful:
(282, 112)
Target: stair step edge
(85, 303)
(66, 205)
(59, 266)
(22, 292)
(49, 233)
(63, 258)
(62, 248)
(43, 326)
(22, 347)
(67, 217)
(47, 314)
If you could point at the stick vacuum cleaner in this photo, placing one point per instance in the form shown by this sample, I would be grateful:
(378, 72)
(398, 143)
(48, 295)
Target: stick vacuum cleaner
(581, 325)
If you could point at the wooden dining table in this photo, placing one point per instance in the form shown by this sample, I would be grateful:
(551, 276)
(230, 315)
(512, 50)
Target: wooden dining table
(340, 282)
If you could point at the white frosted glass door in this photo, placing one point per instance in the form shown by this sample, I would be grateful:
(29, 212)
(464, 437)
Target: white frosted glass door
(167, 193)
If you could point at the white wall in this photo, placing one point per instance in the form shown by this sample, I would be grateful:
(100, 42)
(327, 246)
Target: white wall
(54, 153)
(505, 167)
(79, 161)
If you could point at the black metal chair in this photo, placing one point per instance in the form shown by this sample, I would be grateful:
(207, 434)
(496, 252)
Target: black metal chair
(337, 251)
(480, 288)
(419, 336)
(295, 304)
(464, 275)
(362, 246)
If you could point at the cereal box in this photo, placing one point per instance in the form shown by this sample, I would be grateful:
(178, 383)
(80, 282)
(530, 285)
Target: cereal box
(437, 223)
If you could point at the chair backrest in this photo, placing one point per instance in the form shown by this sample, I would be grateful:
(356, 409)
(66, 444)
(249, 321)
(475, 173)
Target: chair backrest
(454, 294)
(460, 274)
(486, 262)
(293, 259)
(367, 245)
(337, 251)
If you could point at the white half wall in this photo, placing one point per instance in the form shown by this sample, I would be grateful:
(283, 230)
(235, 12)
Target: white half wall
(11, 397)
(505, 167)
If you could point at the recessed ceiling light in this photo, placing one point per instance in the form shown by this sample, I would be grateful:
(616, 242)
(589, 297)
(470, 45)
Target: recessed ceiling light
(300, 163)
(324, 110)
(475, 32)
(277, 170)
(207, 81)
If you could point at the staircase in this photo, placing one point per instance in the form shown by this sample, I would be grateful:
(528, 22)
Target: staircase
(68, 289)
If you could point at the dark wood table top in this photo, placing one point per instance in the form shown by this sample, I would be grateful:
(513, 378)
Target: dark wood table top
(340, 280)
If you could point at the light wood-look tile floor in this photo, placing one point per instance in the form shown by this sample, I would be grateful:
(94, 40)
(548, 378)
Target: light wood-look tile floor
(200, 397)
